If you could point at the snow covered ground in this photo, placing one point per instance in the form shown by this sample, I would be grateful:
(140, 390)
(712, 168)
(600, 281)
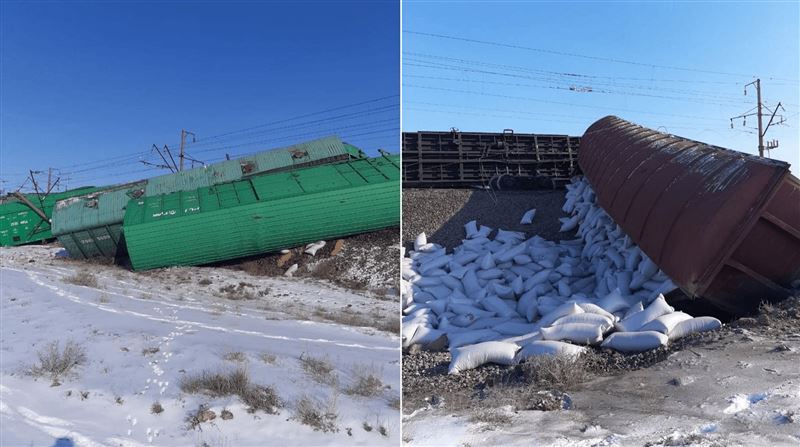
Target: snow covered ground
(143, 333)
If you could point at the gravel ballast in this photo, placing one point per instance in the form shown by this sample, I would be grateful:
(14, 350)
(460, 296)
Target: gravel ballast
(442, 213)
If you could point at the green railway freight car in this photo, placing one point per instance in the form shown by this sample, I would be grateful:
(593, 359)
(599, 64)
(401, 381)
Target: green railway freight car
(263, 213)
(91, 226)
(25, 218)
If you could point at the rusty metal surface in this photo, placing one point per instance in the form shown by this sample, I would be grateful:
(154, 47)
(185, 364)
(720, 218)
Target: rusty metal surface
(722, 224)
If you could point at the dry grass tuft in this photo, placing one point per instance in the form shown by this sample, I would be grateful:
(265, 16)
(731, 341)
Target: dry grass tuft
(316, 414)
(239, 357)
(264, 398)
(348, 317)
(217, 384)
(234, 383)
(243, 291)
(55, 362)
(150, 350)
(320, 369)
(367, 383)
(268, 358)
(82, 278)
(490, 417)
(559, 372)
(383, 430)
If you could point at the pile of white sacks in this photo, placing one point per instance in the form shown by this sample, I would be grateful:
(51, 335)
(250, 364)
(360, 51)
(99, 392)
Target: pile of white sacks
(505, 299)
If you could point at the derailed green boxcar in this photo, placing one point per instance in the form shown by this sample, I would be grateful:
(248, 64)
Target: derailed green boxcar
(263, 213)
(91, 226)
(25, 218)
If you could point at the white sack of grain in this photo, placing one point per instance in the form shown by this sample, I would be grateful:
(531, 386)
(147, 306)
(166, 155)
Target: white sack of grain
(636, 308)
(595, 309)
(624, 282)
(587, 334)
(569, 224)
(466, 309)
(425, 335)
(420, 241)
(697, 324)
(472, 356)
(487, 323)
(538, 278)
(527, 306)
(472, 337)
(527, 218)
(666, 322)
(515, 328)
(438, 306)
(435, 263)
(471, 229)
(425, 281)
(560, 311)
(587, 318)
(290, 271)
(407, 333)
(483, 231)
(511, 237)
(438, 292)
(631, 342)
(498, 306)
(656, 309)
(311, 249)
(463, 320)
(613, 302)
(548, 347)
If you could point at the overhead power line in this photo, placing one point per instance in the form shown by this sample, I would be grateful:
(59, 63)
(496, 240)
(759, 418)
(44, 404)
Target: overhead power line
(524, 98)
(574, 89)
(584, 56)
(458, 64)
(135, 155)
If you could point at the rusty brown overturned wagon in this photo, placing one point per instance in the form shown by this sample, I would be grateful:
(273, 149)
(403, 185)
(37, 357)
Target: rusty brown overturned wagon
(724, 225)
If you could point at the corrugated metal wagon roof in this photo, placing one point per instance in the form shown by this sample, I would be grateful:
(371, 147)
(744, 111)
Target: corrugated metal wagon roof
(20, 224)
(263, 213)
(723, 224)
(91, 225)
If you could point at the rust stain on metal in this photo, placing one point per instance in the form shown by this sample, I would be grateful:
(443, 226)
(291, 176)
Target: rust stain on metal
(722, 224)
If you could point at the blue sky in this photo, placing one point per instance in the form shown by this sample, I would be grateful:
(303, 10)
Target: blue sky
(481, 87)
(88, 87)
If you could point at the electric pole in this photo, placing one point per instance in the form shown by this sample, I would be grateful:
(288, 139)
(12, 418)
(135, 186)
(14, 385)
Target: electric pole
(184, 133)
(760, 126)
(759, 113)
